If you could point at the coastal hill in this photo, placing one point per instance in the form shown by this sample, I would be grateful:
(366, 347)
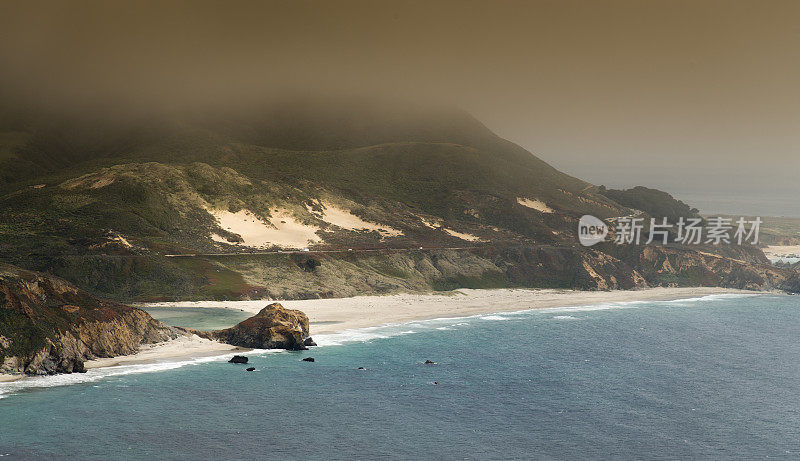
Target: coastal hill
(319, 199)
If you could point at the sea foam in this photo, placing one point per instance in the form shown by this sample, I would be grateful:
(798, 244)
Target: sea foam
(97, 374)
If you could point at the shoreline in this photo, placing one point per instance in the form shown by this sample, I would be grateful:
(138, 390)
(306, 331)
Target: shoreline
(334, 315)
(330, 316)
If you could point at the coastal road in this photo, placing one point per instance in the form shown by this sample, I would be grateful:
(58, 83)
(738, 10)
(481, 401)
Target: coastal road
(289, 252)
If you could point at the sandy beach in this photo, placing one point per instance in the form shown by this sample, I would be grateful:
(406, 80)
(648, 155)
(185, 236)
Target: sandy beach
(778, 252)
(339, 314)
(336, 315)
(181, 348)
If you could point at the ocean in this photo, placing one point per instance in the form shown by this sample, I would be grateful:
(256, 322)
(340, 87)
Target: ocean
(708, 378)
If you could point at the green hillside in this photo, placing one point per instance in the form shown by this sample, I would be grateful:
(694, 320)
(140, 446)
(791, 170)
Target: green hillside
(104, 203)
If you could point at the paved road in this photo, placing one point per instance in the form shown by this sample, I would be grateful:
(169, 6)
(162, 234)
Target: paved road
(368, 250)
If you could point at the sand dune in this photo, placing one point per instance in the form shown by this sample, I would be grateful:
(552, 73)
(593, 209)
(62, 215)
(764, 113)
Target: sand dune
(281, 230)
(462, 235)
(535, 204)
(347, 220)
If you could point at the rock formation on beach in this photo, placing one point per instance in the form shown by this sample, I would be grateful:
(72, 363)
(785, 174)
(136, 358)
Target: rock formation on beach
(49, 326)
(274, 327)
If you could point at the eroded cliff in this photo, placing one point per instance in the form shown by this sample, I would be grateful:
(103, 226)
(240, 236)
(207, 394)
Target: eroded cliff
(49, 326)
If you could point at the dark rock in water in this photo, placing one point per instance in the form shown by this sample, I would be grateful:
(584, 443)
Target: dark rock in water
(251, 369)
(309, 342)
(430, 362)
(274, 327)
(238, 359)
(308, 359)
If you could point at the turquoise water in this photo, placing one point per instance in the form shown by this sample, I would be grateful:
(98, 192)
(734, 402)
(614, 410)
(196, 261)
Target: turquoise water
(716, 378)
(199, 318)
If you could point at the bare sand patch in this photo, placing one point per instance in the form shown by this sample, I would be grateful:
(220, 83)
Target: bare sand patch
(534, 204)
(90, 181)
(462, 235)
(118, 238)
(431, 223)
(438, 224)
(346, 220)
(281, 230)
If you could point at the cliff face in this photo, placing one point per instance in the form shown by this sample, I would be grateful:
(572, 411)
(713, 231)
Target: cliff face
(49, 326)
(679, 266)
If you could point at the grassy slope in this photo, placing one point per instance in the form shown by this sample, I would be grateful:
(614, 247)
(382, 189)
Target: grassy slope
(157, 176)
(428, 175)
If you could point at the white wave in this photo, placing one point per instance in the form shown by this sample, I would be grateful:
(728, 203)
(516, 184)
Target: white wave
(637, 304)
(590, 307)
(718, 297)
(349, 336)
(448, 323)
(494, 317)
(97, 374)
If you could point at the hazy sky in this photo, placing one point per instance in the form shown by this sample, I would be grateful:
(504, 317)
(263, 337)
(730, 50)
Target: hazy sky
(700, 98)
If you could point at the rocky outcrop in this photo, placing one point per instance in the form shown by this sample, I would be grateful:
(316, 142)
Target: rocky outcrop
(274, 327)
(49, 326)
(681, 266)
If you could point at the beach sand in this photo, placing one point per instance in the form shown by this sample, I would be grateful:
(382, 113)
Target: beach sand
(9, 378)
(335, 315)
(777, 251)
(338, 314)
(181, 348)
